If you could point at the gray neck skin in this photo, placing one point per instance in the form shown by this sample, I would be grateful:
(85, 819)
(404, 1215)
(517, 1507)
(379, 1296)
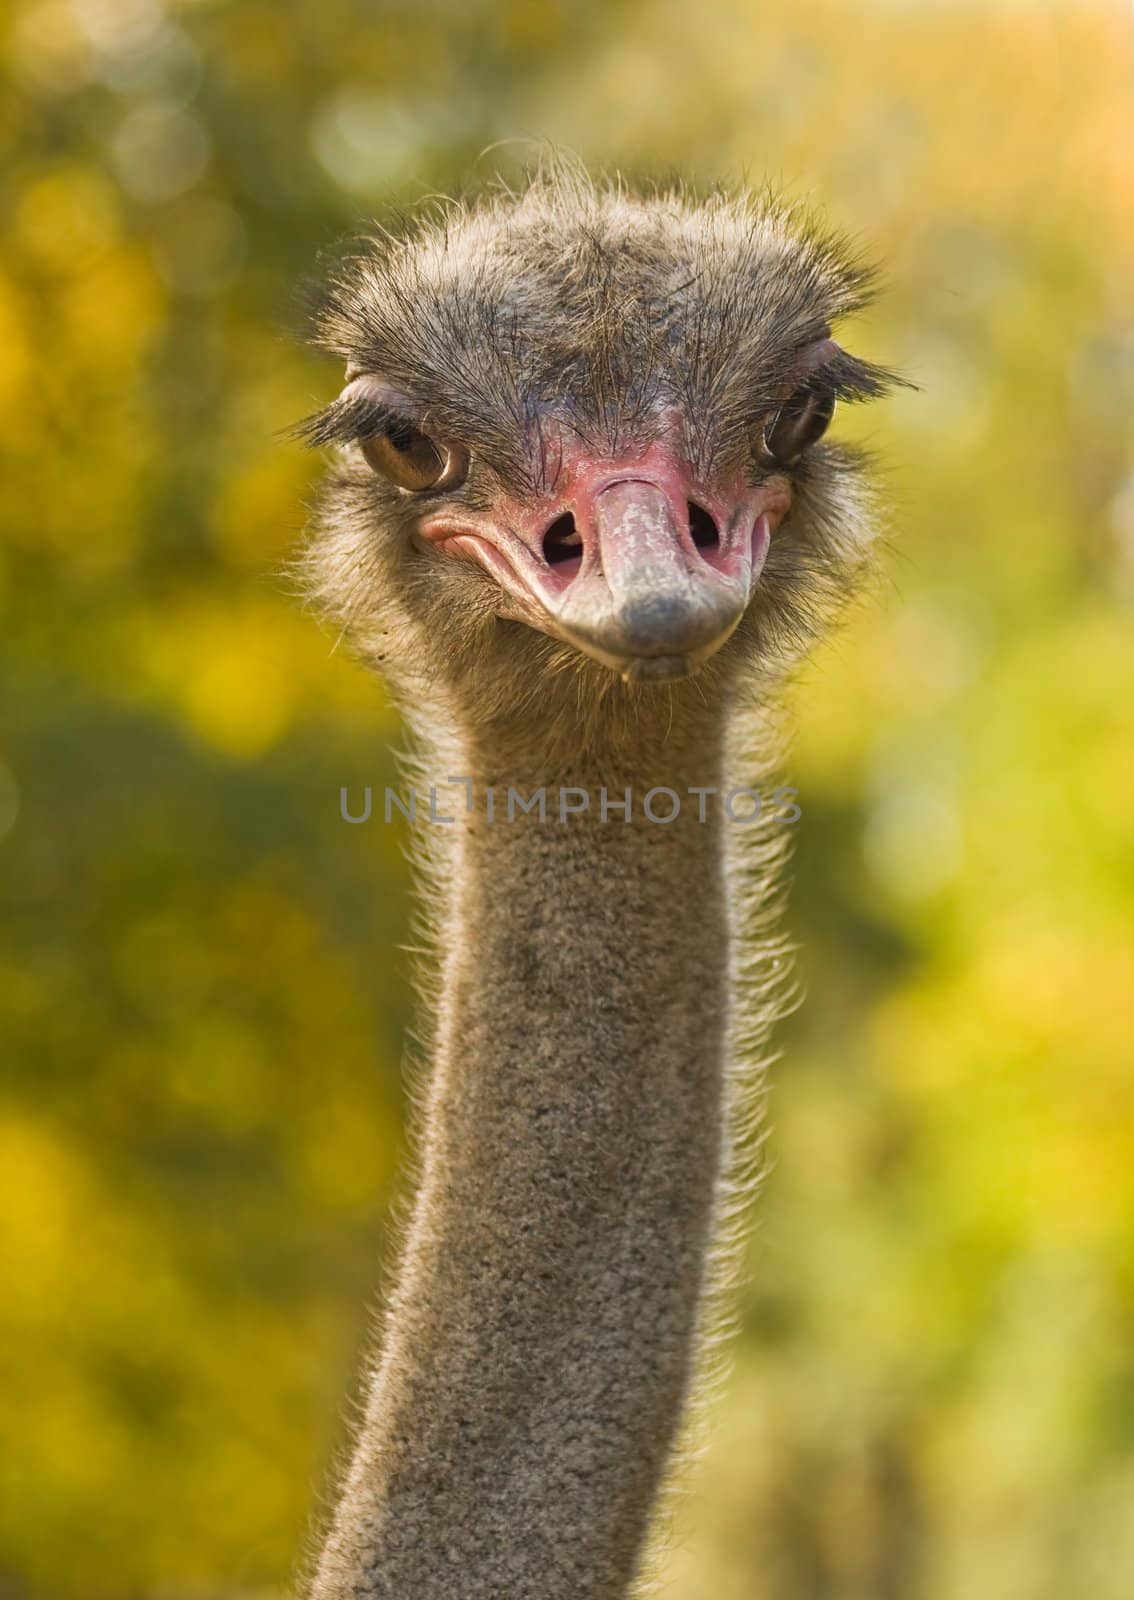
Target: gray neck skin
(540, 1340)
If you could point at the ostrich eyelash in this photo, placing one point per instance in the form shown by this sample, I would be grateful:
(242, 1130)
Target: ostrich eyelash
(852, 379)
(346, 421)
(849, 378)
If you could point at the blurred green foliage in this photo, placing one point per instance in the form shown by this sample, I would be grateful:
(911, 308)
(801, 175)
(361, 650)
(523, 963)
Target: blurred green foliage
(202, 988)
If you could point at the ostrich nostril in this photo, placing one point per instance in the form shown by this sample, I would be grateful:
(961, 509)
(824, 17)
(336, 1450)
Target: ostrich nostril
(563, 544)
(703, 528)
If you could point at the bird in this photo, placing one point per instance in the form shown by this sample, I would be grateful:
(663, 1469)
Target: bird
(582, 512)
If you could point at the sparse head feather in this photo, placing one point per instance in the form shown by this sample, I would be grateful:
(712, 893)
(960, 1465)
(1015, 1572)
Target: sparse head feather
(578, 298)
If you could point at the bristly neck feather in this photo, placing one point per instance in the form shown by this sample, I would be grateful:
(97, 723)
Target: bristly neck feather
(542, 1337)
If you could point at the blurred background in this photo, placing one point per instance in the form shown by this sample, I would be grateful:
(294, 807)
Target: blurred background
(202, 987)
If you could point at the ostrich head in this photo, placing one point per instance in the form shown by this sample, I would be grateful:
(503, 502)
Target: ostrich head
(581, 444)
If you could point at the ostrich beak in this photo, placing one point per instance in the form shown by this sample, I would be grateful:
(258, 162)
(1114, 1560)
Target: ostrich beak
(637, 567)
(650, 602)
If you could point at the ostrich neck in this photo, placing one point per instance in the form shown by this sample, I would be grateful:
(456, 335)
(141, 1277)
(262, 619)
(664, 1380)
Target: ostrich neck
(540, 1339)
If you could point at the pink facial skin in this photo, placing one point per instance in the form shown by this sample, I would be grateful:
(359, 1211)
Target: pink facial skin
(641, 595)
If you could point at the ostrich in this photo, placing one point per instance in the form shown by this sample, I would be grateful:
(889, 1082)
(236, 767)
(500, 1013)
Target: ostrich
(581, 518)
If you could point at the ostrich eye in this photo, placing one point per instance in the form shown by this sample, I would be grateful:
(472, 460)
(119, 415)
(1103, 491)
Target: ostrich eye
(412, 460)
(798, 423)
